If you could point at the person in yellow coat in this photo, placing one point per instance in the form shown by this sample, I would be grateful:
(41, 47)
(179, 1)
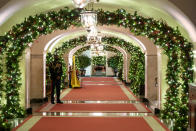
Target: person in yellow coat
(75, 83)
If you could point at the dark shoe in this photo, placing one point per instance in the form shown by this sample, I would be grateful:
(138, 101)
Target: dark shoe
(52, 102)
(60, 102)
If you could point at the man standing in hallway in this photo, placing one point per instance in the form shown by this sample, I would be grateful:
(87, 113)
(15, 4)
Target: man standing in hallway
(55, 75)
(69, 72)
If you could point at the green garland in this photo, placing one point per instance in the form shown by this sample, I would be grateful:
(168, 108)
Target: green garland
(113, 62)
(120, 63)
(111, 49)
(116, 63)
(1, 95)
(14, 43)
(78, 53)
(120, 67)
(65, 46)
(133, 50)
(4, 124)
(81, 50)
(107, 48)
(176, 47)
(136, 70)
(99, 60)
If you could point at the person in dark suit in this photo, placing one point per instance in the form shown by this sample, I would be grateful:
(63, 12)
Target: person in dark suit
(69, 72)
(55, 75)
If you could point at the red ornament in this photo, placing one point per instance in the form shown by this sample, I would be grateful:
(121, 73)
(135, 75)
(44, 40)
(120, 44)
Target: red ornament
(156, 32)
(9, 78)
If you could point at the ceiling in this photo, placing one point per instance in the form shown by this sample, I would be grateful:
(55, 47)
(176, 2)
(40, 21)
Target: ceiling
(14, 11)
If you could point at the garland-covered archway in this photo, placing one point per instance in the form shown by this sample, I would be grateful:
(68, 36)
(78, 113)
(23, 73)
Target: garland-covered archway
(64, 48)
(136, 74)
(175, 46)
(118, 50)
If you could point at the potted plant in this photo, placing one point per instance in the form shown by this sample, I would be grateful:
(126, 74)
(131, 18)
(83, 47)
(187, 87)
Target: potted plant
(83, 62)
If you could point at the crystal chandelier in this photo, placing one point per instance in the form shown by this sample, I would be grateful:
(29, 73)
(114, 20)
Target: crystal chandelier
(88, 19)
(89, 22)
(97, 48)
(80, 3)
(92, 35)
(94, 38)
(83, 3)
(100, 48)
(97, 53)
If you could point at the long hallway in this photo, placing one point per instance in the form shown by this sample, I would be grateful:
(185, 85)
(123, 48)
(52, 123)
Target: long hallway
(102, 104)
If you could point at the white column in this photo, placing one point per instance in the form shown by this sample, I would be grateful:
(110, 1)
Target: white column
(27, 77)
(159, 66)
(194, 51)
(150, 76)
(37, 90)
(128, 67)
(44, 74)
(125, 67)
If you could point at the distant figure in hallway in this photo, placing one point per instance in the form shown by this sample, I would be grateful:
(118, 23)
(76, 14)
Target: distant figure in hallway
(69, 72)
(56, 72)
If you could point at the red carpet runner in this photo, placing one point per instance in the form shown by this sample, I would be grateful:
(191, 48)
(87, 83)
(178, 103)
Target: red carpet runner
(80, 116)
(91, 124)
(97, 92)
(99, 82)
(98, 79)
(96, 108)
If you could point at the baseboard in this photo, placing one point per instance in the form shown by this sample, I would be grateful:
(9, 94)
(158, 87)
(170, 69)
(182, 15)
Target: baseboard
(157, 111)
(126, 83)
(66, 83)
(38, 100)
(99, 76)
(145, 100)
(151, 106)
(110, 76)
(29, 111)
(190, 129)
(86, 76)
